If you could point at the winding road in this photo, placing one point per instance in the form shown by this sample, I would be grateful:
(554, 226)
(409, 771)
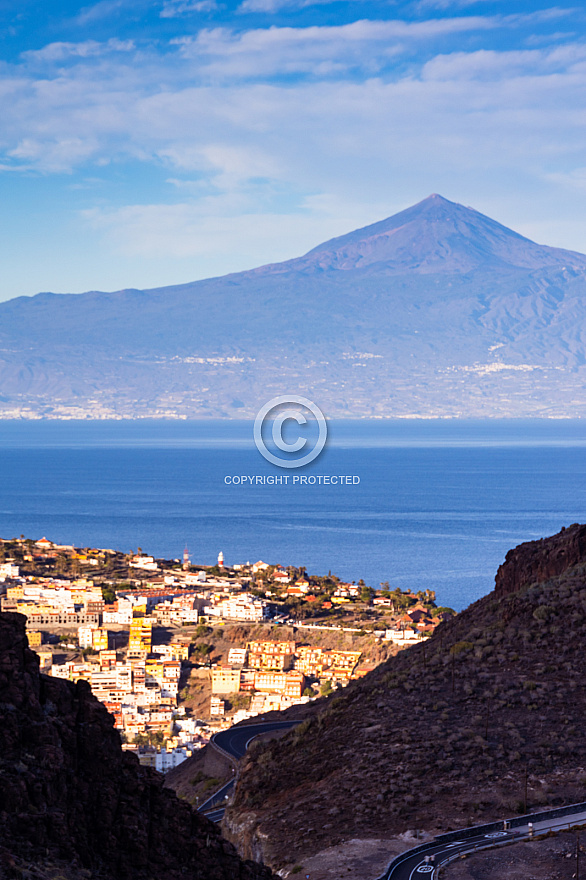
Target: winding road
(426, 860)
(233, 743)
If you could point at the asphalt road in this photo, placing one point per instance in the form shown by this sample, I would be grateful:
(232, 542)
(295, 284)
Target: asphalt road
(235, 741)
(422, 861)
(412, 864)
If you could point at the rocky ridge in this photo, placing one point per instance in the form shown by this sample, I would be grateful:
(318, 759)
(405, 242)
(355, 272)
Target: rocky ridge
(536, 561)
(482, 721)
(73, 804)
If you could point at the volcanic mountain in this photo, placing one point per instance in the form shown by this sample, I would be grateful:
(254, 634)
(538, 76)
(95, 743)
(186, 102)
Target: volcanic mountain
(437, 310)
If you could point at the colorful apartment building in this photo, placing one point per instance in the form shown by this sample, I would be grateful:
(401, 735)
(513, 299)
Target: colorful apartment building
(278, 656)
(140, 638)
(107, 659)
(319, 661)
(225, 680)
(100, 639)
(290, 684)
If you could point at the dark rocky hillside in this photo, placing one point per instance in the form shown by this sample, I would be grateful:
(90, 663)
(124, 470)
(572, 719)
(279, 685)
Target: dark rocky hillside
(480, 722)
(535, 561)
(73, 804)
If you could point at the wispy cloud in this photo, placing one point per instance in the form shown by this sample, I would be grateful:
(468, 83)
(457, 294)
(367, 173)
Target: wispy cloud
(85, 49)
(319, 50)
(491, 65)
(275, 123)
(450, 5)
(60, 154)
(176, 8)
(191, 108)
(226, 227)
(98, 11)
(276, 5)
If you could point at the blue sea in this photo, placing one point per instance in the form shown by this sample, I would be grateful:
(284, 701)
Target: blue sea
(437, 505)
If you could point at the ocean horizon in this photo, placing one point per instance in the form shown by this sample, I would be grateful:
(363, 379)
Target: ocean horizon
(436, 504)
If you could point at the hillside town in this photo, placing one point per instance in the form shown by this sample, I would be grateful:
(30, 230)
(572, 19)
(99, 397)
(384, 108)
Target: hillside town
(138, 630)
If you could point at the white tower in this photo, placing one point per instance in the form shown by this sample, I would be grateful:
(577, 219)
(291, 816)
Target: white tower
(220, 560)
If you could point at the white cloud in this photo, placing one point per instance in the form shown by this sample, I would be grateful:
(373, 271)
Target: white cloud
(98, 11)
(175, 109)
(175, 8)
(426, 5)
(461, 123)
(573, 180)
(490, 64)
(225, 227)
(59, 155)
(230, 163)
(276, 5)
(319, 50)
(86, 49)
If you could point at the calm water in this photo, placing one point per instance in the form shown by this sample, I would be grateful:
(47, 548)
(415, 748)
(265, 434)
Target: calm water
(437, 506)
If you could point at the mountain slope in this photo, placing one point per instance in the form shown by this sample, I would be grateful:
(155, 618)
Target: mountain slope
(442, 735)
(438, 310)
(73, 804)
(435, 235)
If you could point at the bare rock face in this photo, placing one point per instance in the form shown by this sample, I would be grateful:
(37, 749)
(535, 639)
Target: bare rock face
(537, 561)
(70, 795)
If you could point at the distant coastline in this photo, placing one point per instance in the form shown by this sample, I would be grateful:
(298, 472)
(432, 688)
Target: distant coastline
(359, 432)
(438, 506)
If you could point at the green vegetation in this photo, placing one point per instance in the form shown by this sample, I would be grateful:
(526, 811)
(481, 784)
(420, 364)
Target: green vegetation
(109, 594)
(367, 594)
(154, 738)
(211, 782)
(239, 701)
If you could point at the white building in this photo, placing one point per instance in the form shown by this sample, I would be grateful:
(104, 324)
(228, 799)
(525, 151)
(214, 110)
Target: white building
(259, 566)
(189, 615)
(237, 656)
(62, 670)
(217, 706)
(85, 635)
(147, 563)
(402, 636)
(165, 760)
(244, 607)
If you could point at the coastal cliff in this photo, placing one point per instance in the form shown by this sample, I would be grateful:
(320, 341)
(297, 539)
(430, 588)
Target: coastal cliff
(73, 804)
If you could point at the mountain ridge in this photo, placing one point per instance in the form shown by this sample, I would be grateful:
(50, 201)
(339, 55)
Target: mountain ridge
(479, 722)
(436, 311)
(386, 239)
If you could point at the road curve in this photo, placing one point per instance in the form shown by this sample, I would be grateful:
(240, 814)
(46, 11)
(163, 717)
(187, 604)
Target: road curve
(233, 742)
(236, 740)
(425, 860)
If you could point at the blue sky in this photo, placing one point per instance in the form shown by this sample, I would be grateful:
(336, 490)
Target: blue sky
(152, 143)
